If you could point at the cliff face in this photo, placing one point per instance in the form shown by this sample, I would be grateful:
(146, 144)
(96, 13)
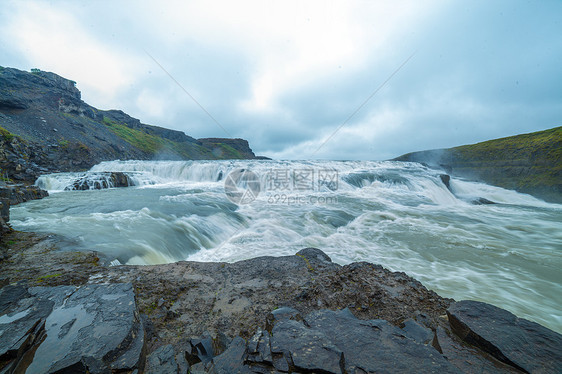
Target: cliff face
(529, 163)
(46, 127)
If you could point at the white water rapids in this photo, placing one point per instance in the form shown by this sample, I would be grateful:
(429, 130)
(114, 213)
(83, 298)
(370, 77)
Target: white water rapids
(399, 215)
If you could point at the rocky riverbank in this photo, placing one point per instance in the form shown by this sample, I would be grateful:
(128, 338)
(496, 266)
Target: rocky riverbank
(300, 314)
(13, 195)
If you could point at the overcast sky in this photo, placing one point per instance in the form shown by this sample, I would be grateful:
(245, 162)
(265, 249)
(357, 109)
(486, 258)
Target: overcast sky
(285, 75)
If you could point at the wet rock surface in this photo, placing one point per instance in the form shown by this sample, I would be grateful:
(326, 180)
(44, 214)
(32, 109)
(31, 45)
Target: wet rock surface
(515, 341)
(297, 314)
(101, 180)
(13, 195)
(94, 328)
(20, 193)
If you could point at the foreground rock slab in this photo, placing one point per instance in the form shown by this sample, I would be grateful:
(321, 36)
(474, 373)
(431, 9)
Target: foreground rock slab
(298, 314)
(93, 329)
(518, 342)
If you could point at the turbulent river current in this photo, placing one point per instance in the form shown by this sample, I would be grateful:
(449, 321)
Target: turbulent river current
(399, 215)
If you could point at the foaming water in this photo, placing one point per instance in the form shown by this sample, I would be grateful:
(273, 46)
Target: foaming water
(399, 215)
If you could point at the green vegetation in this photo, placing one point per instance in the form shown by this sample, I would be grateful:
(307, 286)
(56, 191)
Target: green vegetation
(64, 143)
(221, 150)
(229, 152)
(83, 147)
(535, 159)
(8, 136)
(520, 147)
(152, 144)
(308, 265)
(45, 277)
(145, 142)
(529, 163)
(35, 71)
(4, 177)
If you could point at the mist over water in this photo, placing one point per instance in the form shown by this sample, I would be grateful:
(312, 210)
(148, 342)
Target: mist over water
(399, 215)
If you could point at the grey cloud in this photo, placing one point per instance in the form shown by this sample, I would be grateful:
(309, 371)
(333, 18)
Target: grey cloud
(482, 70)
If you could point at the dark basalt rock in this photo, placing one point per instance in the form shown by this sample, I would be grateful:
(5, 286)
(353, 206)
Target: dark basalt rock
(232, 360)
(13, 195)
(101, 180)
(314, 254)
(21, 193)
(417, 332)
(336, 319)
(328, 342)
(466, 358)
(305, 349)
(518, 342)
(376, 345)
(91, 329)
(165, 361)
(446, 179)
(482, 201)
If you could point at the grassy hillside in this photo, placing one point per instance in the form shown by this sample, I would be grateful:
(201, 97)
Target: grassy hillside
(529, 163)
(54, 130)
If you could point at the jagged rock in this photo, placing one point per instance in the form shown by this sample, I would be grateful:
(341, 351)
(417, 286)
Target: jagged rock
(203, 349)
(466, 358)
(281, 314)
(482, 201)
(101, 180)
(21, 193)
(327, 342)
(234, 299)
(259, 348)
(5, 209)
(376, 345)
(164, 361)
(518, 342)
(94, 329)
(305, 349)
(314, 254)
(13, 195)
(417, 332)
(231, 360)
(446, 179)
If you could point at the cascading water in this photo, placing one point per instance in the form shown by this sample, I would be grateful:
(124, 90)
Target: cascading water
(399, 215)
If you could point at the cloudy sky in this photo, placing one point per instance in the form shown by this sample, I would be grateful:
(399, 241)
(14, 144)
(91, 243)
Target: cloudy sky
(306, 80)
